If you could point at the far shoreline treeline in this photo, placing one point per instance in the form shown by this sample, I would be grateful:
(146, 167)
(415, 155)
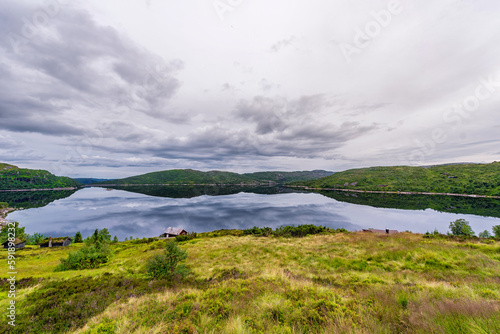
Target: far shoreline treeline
(474, 180)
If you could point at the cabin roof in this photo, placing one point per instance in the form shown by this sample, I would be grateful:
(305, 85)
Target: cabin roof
(17, 241)
(56, 240)
(174, 230)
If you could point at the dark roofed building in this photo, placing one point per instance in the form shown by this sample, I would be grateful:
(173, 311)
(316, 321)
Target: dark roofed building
(18, 243)
(173, 232)
(56, 242)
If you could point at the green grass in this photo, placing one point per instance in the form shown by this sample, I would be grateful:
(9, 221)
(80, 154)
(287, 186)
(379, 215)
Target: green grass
(479, 179)
(324, 283)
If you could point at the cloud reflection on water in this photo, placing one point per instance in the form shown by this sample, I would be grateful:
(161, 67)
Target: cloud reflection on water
(128, 214)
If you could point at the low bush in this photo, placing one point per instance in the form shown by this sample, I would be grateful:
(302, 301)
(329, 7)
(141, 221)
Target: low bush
(220, 233)
(258, 231)
(186, 237)
(435, 235)
(290, 231)
(92, 255)
(168, 265)
(299, 231)
(143, 240)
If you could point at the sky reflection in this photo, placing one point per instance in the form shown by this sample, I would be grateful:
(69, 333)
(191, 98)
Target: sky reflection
(128, 214)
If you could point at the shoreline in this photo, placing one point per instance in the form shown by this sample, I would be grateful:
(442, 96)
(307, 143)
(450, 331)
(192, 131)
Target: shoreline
(272, 183)
(394, 192)
(41, 189)
(260, 184)
(3, 215)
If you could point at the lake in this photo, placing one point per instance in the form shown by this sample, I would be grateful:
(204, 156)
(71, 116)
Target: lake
(148, 211)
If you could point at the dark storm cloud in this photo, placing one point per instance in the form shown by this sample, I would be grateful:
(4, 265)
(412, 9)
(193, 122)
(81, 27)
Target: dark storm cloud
(69, 65)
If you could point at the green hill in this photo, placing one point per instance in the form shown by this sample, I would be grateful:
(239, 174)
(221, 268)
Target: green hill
(13, 177)
(479, 179)
(190, 176)
(285, 177)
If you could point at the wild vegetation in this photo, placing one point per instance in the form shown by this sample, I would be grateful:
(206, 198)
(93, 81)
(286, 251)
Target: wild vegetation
(479, 179)
(189, 176)
(95, 253)
(290, 231)
(12, 177)
(336, 282)
(169, 264)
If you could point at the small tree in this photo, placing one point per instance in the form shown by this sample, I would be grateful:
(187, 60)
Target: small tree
(115, 239)
(168, 265)
(496, 231)
(104, 234)
(461, 227)
(35, 239)
(78, 238)
(485, 234)
(7, 229)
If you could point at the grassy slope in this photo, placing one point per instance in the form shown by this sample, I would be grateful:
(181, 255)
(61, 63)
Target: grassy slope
(12, 177)
(342, 283)
(189, 176)
(480, 179)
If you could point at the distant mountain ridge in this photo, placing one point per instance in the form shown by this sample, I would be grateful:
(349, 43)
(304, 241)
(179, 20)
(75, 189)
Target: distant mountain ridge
(15, 178)
(477, 179)
(89, 180)
(190, 176)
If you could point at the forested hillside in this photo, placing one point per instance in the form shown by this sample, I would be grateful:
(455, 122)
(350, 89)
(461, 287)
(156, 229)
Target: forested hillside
(12, 177)
(189, 176)
(480, 179)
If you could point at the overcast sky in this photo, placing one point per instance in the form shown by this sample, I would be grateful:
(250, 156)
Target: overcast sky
(117, 88)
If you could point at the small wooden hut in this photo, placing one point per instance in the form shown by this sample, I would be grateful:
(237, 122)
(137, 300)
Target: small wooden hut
(18, 243)
(172, 232)
(56, 242)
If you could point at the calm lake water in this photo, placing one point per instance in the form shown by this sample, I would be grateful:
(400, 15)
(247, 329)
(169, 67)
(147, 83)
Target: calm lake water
(149, 211)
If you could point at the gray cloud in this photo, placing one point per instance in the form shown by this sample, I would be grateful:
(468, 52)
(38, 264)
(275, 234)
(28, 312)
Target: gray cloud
(272, 127)
(94, 85)
(72, 65)
(282, 44)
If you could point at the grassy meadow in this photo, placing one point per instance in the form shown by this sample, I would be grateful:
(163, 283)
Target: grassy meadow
(325, 283)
